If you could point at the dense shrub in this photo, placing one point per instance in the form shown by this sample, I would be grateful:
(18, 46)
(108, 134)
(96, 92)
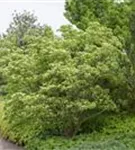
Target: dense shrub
(56, 84)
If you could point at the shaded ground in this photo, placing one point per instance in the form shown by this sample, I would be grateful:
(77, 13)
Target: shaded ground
(5, 145)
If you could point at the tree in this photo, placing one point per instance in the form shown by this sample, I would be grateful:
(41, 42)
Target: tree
(116, 15)
(63, 82)
(111, 13)
(22, 24)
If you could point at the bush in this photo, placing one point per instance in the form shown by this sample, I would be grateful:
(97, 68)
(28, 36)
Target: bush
(52, 88)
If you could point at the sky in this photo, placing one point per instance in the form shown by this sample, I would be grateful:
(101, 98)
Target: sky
(49, 12)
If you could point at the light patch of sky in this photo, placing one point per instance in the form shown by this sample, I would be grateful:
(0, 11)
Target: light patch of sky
(48, 11)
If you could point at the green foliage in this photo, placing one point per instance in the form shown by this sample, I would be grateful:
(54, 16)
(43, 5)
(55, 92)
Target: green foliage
(116, 15)
(23, 24)
(118, 133)
(57, 85)
(108, 12)
(69, 84)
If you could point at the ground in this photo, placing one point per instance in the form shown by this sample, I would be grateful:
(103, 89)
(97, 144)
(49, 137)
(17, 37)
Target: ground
(5, 145)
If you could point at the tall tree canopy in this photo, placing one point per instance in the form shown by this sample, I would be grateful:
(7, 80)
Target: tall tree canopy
(114, 14)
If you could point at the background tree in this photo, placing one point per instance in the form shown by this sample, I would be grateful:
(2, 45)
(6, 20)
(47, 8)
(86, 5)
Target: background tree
(22, 24)
(111, 13)
(116, 15)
